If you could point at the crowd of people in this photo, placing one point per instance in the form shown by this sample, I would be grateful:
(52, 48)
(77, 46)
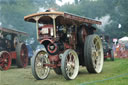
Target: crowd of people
(120, 50)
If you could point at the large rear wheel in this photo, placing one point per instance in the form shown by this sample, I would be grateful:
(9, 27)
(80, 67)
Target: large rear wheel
(70, 64)
(93, 54)
(38, 63)
(22, 55)
(5, 60)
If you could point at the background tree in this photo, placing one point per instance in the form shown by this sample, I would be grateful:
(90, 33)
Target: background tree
(12, 13)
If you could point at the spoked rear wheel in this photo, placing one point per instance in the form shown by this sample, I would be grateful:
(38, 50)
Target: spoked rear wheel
(70, 64)
(93, 54)
(39, 69)
(22, 55)
(82, 35)
(5, 60)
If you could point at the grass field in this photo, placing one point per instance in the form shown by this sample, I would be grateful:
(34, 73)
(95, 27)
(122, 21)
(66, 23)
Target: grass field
(114, 73)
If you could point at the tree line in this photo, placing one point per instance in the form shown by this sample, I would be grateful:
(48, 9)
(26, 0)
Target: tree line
(12, 13)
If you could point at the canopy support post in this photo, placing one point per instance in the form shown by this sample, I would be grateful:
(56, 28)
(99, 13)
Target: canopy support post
(54, 27)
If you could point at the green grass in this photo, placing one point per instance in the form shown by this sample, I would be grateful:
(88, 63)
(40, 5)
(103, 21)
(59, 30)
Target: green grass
(16, 76)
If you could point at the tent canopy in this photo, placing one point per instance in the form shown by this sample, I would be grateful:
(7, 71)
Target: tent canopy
(123, 39)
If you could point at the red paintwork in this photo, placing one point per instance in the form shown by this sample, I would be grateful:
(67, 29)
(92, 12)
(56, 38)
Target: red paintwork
(83, 34)
(46, 26)
(54, 58)
(67, 46)
(46, 39)
(55, 61)
(53, 65)
(5, 56)
(50, 65)
(24, 55)
(108, 55)
(5, 60)
(54, 49)
(49, 27)
(13, 54)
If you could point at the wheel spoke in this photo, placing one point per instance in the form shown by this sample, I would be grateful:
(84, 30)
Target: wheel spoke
(70, 64)
(99, 53)
(70, 70)
(97, 42)
(96, 52)
(94, 61)
(70, 57)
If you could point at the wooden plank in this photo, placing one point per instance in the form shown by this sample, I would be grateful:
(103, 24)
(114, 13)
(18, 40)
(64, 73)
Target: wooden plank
(13, 31)
(81, 19)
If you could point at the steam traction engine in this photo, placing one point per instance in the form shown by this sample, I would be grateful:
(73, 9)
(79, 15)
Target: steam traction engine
(107, 47)
(69, 41)
(12, 48)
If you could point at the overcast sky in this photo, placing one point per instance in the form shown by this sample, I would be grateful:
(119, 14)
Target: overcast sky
(64, 1)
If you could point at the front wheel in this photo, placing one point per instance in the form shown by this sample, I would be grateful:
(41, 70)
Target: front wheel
(70, 64)
(5, 60)
(93, 54)
(38, 63)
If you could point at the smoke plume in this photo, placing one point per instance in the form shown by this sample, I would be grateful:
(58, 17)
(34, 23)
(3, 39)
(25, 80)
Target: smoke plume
(106, 20)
